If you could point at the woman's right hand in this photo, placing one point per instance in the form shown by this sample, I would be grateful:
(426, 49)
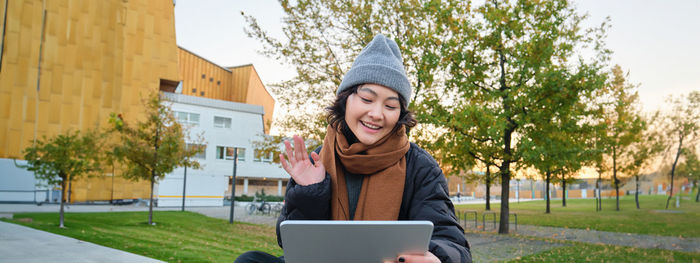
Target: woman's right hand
(299, 166)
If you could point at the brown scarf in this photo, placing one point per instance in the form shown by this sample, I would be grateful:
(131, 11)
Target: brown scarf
(383, 163)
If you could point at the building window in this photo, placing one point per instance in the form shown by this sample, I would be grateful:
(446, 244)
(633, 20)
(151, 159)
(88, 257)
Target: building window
(204, 76)
(218, 82)
(202, 154)
(194, 90)
(211, 79)
(222, 122)
(260, 156)
(201, 93)
(227, 153)
(187, 118)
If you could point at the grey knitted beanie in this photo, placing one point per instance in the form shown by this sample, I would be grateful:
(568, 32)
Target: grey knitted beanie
(380, 63)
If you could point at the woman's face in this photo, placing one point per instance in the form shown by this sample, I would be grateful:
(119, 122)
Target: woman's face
(372, 112)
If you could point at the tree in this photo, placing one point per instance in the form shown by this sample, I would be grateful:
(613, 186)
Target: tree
(565, 178)
(488, 178)
(561, 147)
(63, 158)
(458, 155)
(599, 144)
(323, 37)
(511, 63)
(625, 125)
(153, 147)
(681, 127)
(641, 153)
(690, 168)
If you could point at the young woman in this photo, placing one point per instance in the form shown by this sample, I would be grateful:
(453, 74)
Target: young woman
(366, 168)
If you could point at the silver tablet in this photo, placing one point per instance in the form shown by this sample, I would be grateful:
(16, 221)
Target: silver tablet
(309, 241)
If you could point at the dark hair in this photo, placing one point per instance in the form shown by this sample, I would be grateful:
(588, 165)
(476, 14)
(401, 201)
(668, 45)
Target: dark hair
(336, 113)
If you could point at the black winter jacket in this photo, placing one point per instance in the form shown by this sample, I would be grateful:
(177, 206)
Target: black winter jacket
(425, 197)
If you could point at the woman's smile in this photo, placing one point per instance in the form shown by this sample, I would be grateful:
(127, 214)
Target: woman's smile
(370, 126)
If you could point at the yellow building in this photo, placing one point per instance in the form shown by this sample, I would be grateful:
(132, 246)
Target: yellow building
(66, 65)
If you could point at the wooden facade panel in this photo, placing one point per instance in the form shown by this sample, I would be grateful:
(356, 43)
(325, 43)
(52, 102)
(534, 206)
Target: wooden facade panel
(3, 143)
(241, 79)
(258, 95)
(11, 50)
(43, 121)
(55, 110)
(4, 106)
(13, 146)
(7, 84)
(105, 188)
(46, 85)
(16, 108)
(69, 114)
(29, 111)
(2, 11)
(56, 80)
(199, 75)
(13, 18)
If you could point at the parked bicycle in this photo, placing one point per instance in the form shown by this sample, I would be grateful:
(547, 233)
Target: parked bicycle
(277, 208)
(259, 206)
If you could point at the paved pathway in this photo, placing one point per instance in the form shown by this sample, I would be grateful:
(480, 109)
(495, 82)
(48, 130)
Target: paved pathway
(603, 237)
(490, 247)
(239, 214)
(613, 238)
(24, 244)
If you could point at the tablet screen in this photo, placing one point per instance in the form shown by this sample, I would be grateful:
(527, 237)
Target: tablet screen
(312, 241)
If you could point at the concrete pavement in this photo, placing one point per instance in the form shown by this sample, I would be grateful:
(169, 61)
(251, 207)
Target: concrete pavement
(24, 244)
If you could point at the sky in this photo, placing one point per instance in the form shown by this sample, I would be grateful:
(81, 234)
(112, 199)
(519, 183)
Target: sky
(657, 42)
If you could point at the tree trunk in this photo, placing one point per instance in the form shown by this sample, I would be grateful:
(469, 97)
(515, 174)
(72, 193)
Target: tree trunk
(153, 174)
(150, 204)
(184, 185)
(636, 190)
(488, 189)
(697, 196)
(111, 195)
(615, 181)
(546, 191)
(505, 192)
(63, 197)
(617, 195)
(70, 190)
(596, 193)
(600, 191)
(563, 191)
(673, 168)
(508, 130)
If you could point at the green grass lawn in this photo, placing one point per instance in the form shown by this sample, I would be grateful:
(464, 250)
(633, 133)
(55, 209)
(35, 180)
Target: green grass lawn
(176, 237)
(580, 213)
(580, 252)
(191, 237)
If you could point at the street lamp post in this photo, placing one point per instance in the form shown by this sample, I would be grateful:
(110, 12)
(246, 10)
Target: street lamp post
(184, 185)
(233, 183)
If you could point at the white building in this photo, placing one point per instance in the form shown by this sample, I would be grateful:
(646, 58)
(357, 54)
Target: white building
(225, 126)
